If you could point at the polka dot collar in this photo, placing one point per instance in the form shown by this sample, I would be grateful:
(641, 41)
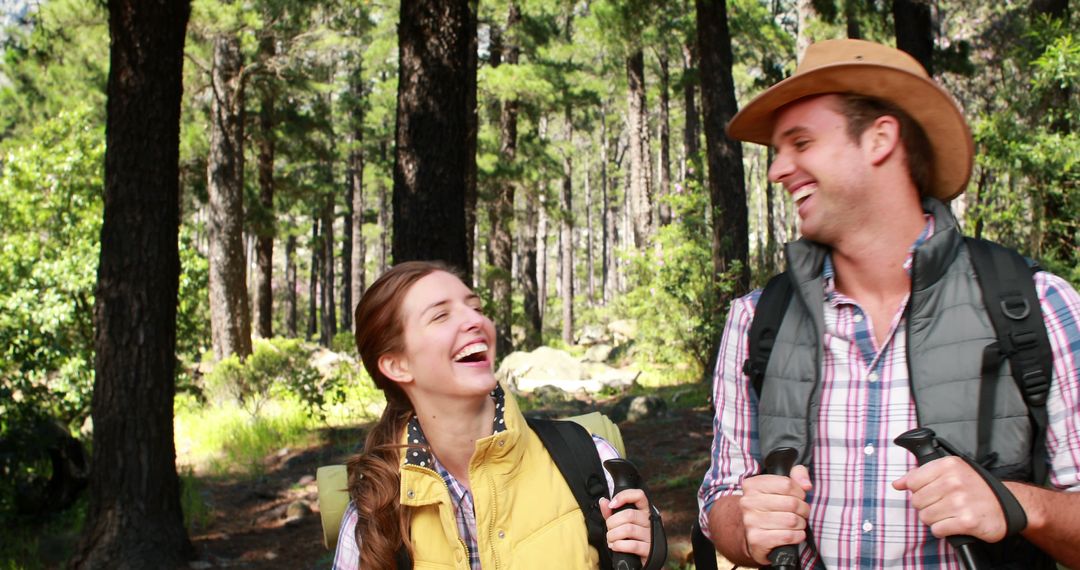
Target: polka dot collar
(419, 453)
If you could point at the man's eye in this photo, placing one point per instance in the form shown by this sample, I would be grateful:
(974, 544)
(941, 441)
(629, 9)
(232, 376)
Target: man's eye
(800, 144)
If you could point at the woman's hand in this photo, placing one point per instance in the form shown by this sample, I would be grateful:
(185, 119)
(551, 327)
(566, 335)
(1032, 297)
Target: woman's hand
(629, 531)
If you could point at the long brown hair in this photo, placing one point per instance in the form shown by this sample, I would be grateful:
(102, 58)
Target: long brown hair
(374, 474)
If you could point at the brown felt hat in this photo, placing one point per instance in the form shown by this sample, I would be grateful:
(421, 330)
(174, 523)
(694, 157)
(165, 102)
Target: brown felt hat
(865, 68)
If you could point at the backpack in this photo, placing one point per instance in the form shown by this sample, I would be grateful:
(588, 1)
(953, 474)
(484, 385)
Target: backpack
(572, 449)
(1005, 278)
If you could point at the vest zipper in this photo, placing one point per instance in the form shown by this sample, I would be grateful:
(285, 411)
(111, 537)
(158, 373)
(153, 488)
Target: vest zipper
(465, 547)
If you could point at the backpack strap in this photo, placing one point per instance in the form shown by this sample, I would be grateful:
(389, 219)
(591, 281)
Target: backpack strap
(572, 449)
(1012, 303)
(769, 313)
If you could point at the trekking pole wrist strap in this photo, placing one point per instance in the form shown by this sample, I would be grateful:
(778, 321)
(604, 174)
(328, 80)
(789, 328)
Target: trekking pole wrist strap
(658, 545)
(1015, 517)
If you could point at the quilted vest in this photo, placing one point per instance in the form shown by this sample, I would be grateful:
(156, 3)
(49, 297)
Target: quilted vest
(947, 330)
(526, 515)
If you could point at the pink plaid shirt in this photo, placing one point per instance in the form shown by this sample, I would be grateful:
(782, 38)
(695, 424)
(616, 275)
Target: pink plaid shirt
(857, 519)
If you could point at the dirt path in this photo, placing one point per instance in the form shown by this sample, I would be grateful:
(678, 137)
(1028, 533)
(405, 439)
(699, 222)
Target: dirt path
(251, 526)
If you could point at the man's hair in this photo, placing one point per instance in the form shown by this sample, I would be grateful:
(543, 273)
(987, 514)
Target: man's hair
(861, 111)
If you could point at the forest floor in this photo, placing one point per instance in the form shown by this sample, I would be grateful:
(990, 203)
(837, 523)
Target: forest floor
(248, 526)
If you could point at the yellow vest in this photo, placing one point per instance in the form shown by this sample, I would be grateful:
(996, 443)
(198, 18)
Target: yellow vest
(526, 516)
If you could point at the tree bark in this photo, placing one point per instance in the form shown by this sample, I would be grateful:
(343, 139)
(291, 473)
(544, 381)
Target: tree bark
(431, 167)
(664, 209)
(727, 190)
(566, 236)
(356, 234)
(692, 130)
(328, 323)
(851, 15)
(608, 215)
(805, 13)
(264, 243)
(230, 323)
(134, 518)
(353, 251)
(501, 243)
(529, 285)
(638, 127)
(384, 217)
(590, 268)
(313, 282)
(291, 308)
(914, 30)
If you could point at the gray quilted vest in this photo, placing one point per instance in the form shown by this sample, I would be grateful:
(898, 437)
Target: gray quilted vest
(947, 331)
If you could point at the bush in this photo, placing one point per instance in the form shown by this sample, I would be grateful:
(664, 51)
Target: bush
(276, 367)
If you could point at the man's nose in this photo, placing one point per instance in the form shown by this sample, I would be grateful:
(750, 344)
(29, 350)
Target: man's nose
(781, 166)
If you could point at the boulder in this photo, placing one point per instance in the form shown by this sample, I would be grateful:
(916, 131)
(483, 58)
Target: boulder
(623, 330)
(598, 353)
(635, 408)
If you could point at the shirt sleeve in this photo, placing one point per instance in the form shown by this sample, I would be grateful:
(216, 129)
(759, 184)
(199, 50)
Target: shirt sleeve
(1061, 312)
(347, 554)
(735, 439)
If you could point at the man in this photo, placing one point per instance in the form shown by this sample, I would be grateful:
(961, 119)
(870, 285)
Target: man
(868, 147)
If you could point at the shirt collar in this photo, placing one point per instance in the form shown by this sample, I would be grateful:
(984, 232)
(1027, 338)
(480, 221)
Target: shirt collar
(419, 453)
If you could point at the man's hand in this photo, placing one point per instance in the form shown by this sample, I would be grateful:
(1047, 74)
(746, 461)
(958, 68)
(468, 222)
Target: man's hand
(629, 531)
(774, 511)
(952, 499)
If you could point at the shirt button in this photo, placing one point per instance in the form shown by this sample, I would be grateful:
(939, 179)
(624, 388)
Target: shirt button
(869, 449)
(867, 526)
(858, 317)
(873, 376)
(410, 494)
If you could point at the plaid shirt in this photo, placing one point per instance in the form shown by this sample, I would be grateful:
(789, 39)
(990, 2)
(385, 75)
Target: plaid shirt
(857, 519)
(347, 556)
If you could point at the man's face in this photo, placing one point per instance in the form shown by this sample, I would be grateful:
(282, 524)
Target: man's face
(821, 167)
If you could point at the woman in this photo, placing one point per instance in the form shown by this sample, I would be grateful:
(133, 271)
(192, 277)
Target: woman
(451, 475)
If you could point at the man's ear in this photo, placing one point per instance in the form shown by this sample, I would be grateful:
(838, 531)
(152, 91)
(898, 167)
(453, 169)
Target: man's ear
(884, 136)
(395, 367)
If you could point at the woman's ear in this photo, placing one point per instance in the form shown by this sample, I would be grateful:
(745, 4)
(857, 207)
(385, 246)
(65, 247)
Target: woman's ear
(884, 136)
(395, 367)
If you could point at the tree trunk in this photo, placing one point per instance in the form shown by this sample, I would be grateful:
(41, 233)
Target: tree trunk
(328, 327)
(692, 129)
(530, 291)
(501, 243)
(914, 30)
(264, 243)
(590, 268)
(229, 313)
(134, 518)
(851, 15)
(607, 253)
(291, 308)
(384, 217)
(727, 190)
(313, 282)
(431, 169)
(541, 252)
(353, 251)
(664, 208)
(638, 127)
(566, 236)
(806, 14)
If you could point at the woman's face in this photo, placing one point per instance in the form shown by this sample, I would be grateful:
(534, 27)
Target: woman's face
(449, 343)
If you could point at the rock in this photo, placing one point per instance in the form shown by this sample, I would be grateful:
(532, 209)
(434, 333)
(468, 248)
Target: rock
(306, 480)
(526, 371)
(598, 353)
(635, 408)
(296, 512)
(623, 330)
(325, 360)
(590, 335)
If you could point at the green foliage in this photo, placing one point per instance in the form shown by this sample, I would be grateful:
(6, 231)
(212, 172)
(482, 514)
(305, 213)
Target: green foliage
(278, 366)
(676, 301)
(50, 193)
(345, 343)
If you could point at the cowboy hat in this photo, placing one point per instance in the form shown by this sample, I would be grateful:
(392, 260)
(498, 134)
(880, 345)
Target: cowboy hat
(865, 68)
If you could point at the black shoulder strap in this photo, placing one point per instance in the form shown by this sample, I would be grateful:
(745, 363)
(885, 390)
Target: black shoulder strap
(768, 315)
(572, 449)
(1012, 303)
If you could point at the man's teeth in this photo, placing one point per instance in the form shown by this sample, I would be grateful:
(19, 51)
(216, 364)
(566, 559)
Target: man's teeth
(470, 350)
(802, 193)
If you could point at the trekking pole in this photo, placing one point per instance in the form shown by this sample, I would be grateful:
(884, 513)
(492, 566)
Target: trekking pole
(920, 442)
(779, 462)
(625, 476)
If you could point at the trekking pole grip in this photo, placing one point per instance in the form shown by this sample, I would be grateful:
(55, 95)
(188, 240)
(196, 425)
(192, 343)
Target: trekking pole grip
(921, 443)
(779, 462)
(625, 476)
